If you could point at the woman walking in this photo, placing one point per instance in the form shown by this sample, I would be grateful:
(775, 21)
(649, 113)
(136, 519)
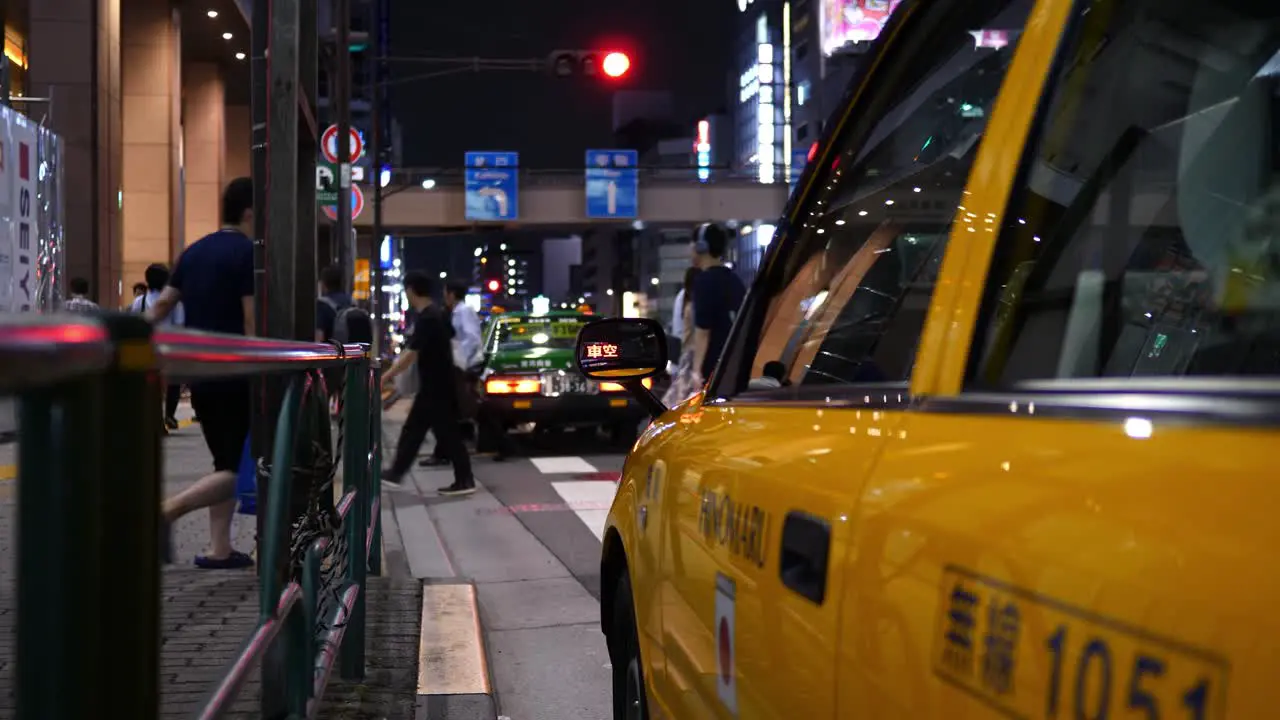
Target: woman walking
(684, 380)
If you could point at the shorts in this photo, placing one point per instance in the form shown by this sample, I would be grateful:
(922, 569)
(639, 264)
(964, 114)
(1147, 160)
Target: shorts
(224, 409)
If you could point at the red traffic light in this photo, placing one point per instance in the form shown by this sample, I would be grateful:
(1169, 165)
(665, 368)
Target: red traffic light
(494, 285)
(616, 64)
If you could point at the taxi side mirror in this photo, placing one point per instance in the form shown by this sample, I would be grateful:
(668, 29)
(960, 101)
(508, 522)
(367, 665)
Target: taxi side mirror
(624, 351)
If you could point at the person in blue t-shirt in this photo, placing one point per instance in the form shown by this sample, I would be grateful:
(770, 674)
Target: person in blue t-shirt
(213, 279)
(717, 295)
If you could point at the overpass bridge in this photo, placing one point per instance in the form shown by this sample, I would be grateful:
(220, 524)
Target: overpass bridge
(436, 198)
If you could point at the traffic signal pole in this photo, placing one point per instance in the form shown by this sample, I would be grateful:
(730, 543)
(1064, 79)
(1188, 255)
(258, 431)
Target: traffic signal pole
(283, 151)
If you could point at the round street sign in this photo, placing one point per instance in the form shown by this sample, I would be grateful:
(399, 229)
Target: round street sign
(329, 144)
(357, 205)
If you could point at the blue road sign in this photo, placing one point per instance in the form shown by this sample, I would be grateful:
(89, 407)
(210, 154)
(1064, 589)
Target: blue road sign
(493, 185)
(613, 184)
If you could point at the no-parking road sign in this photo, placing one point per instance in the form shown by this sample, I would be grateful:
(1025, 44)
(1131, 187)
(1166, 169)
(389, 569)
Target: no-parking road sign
(329, 145)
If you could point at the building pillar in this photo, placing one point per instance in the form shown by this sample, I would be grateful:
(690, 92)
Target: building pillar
(239, 138)
(75, 60)
(152, 204)
(204, 148)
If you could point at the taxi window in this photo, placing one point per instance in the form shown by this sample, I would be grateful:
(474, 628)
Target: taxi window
(554, 333)
(847, 303)
(1143, 239)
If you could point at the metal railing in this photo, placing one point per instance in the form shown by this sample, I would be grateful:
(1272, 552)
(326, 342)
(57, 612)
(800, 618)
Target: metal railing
(90, 481)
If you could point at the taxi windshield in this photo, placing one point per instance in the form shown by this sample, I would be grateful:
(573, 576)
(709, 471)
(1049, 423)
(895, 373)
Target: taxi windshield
(528, 334)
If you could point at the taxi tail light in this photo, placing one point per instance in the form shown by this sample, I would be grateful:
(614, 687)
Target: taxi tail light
(617, 387)
(513, 386)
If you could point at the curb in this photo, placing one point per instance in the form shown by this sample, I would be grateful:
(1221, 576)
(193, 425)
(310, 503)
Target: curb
(453, 664)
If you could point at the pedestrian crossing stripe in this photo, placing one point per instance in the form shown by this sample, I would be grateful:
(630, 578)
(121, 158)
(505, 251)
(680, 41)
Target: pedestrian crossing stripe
(562, 465)
(589, 500)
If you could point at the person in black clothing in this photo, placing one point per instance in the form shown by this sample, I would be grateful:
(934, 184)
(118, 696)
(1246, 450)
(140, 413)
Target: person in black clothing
(717, 296)
(213, 279)
(332, 301)
(435, 407)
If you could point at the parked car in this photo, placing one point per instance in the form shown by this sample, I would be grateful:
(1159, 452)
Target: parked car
(1026, 302)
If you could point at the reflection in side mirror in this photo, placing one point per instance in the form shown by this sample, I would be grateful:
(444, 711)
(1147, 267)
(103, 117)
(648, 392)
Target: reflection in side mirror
(624, 351)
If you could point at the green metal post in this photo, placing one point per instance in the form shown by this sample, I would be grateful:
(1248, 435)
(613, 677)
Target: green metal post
(355, 465)
(60, 528)
(302, 637)
(287, 663)
(277, 521)
(375, 466)
(129, 507)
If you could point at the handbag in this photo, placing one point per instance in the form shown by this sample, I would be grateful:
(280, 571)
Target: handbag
(247, 482)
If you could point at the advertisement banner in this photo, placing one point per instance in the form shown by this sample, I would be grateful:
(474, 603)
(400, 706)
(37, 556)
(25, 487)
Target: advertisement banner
(846, 22)
(30, 215)
(31, 229)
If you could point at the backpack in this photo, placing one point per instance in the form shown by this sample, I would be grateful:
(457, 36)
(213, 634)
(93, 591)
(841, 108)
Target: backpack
(350, 324)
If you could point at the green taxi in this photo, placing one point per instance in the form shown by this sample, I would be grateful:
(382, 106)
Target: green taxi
(529, 377)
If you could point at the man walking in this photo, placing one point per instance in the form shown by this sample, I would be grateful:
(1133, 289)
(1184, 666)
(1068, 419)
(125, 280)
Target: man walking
(213, 279)
(717, 296)
(467, 354)
(435, 407)
(157, 277)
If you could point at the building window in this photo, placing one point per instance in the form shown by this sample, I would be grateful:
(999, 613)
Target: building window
(804, 91)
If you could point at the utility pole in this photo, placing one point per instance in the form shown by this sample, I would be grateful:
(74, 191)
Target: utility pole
(343, 243)
(375, 259)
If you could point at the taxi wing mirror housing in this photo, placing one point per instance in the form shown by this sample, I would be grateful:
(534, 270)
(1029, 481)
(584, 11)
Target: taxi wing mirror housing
(624, 351)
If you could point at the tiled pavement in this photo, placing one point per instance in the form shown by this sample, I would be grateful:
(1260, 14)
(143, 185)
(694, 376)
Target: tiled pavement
(208, 615)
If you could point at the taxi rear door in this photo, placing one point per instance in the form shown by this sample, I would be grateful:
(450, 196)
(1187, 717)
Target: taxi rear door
(1077, 516)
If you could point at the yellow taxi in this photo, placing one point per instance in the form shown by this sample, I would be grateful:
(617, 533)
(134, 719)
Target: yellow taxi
(1022, 460)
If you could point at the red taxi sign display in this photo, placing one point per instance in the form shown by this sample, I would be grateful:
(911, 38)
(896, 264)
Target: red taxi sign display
(601, 350)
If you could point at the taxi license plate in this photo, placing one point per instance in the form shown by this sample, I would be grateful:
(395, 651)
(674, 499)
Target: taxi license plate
(1032, 656)
(522, 404)
(618, 402)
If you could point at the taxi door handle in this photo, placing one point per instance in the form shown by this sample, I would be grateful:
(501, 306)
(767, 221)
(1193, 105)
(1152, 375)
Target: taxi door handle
(806, 546)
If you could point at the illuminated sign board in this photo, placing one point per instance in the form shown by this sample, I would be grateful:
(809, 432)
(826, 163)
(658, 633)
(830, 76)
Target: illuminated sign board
(601, 350)
(845, 22)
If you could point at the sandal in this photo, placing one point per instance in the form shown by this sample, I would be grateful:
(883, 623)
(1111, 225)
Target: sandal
(235, 561)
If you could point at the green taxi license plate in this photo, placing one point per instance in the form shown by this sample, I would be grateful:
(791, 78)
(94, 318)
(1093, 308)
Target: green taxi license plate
(1035, 657)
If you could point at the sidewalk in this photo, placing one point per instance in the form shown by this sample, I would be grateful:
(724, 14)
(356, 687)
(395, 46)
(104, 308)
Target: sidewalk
(208, 615)
(506, 628)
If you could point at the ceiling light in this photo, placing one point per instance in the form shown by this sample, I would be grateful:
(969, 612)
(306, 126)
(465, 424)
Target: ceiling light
(239, 56)
(213, 13)
(226, 36)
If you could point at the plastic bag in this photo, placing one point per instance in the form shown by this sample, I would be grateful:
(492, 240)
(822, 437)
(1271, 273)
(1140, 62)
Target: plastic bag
(247, 482)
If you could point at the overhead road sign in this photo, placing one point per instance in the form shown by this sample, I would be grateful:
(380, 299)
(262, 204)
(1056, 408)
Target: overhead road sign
(329, 145)
(612, 184)
(492, 186)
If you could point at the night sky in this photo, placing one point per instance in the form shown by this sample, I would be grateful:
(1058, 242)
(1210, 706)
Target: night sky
(681, 46)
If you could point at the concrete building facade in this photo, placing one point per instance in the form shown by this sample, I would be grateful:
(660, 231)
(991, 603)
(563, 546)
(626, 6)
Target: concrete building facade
(151, 100)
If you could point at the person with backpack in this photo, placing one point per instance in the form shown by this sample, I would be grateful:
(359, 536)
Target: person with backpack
(157, 277)
(340, 320)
